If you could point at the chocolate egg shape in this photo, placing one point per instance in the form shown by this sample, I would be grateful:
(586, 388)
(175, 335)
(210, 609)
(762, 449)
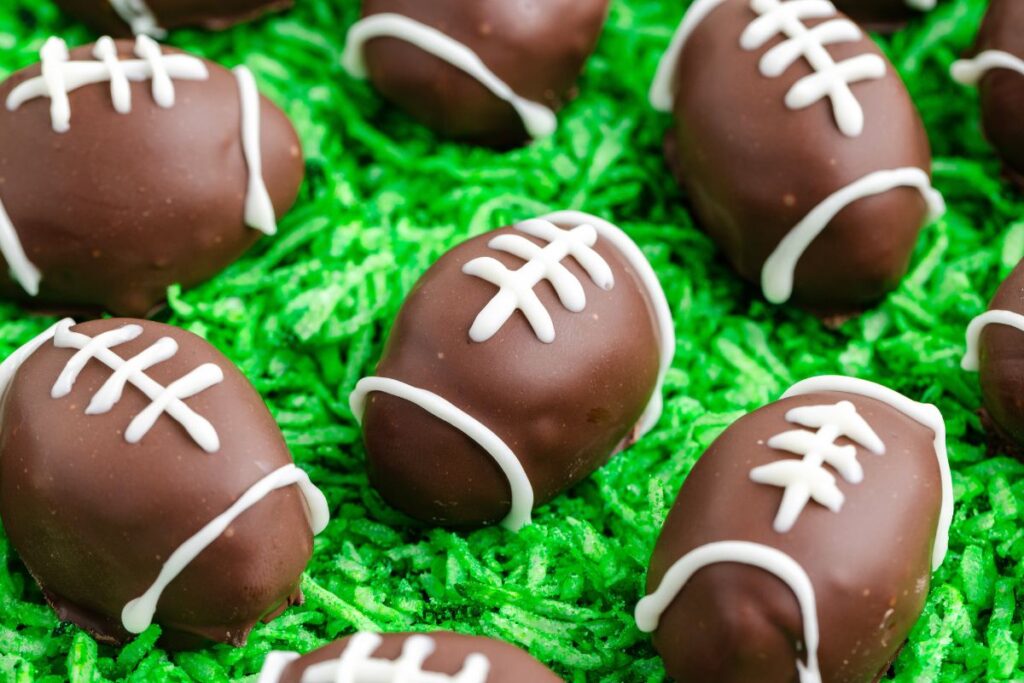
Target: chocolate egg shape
(439, 657)
(884, 15)
(519, 363)
(129, 167)
(154, 17)
(801, 545)
(995, 349)
(142, 480)
(800, 151)
(491, 72)
(997, 67)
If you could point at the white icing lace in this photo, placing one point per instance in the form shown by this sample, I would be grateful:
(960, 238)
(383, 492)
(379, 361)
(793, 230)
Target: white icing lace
(139, 17)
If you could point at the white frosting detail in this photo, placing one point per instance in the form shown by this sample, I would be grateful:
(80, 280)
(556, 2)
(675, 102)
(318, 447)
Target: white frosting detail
(139, 17)
(662, 93)
(163, 399)
(970, 71)
(61, 77)
(922, 5)
(259, 210)
(804, 480)
(779, 269)
(105, 51)
(971, 360)
(137, 615)
(9, 368)
(649, 609)
(830, 78)
(538, 119)
(23, 270)
(519, 483)
(274, 666)
(515, 288)
(924, 413)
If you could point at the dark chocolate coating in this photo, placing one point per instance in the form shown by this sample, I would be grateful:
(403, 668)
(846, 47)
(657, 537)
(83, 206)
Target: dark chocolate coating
(870, 563)
(509, 664)
(753, 168)
(213, 16)
(121, 206)
(1002, 90)
(537, 48)
(94, 518)
(884, 16)
(1001, 350)
(564, 408)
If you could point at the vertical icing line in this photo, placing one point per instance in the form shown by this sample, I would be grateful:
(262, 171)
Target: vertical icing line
(971, 360)
(662, 93)
(779, 269)
(650, 609)
(139, 17)
(539, 120)
(923, 413)
(137, 615)
(522, 490)
(23, 270)
(259, 210)
(970, 71)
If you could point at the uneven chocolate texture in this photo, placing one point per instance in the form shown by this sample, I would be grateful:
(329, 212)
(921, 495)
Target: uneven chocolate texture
(1001, 350)
(537, 48)
(509, 664)
(564, 408)
(870, 563)
(123, 205)
(94, 517)
(885, 16)
(752, 168)
(214, 16)
(1002, 90)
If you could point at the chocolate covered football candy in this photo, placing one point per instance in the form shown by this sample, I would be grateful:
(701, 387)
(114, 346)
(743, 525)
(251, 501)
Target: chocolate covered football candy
(142, 480)
(802, 543)
(799, 149)
(995, 348)
(520, 362)
(884, 15)
(408, 658)
(154, 17)
(491, 72)
(125, 168)
(997, 68)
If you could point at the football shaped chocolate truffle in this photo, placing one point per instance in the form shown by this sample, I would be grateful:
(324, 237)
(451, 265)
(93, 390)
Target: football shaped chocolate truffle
(884, 15)
(154, 17)
(799, 149)
(409, 658)
(125, 168)
(520, 362)
(998, 69)
(802, 543)
(491, 72)
(143, 480)
(995, 348)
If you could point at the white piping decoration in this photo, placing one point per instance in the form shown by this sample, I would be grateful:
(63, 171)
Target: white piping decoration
(515, 288)
(970, 71)
(650, 609)
(522, 490)
(9, 368)
(538, 119)
(132, 371)
(971, 360)
(663, 88)
(921, 5)
(60, 77)
(137, 615)
(23, 270)
(274, 666)
(779, 269)
(259, 210)
(806, 480)
(924, 413)
(139, 17)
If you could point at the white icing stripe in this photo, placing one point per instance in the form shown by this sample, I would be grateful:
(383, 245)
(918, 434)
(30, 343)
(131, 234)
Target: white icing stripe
(780, 267)
(662, 89)
(274, 666)
(519, 483)
(60, 77)
(921, 5)
(649, 609)
(259, 210)
(105, 51)
(137, 615)
(924, 413)
(971, 360)
(139, 17)
(9, 368)
(662, 313)
(970, 71)
(23, 270)
(538, 120)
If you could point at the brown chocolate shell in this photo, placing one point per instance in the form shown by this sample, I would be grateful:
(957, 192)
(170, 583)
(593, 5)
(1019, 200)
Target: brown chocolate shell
(155, 17)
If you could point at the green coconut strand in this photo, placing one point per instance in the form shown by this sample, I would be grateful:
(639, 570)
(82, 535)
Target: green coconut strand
(305, 314)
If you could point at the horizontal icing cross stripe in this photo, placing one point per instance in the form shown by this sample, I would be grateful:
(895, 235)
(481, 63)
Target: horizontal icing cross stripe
(538, 120)
(971, 361)
(970, 71)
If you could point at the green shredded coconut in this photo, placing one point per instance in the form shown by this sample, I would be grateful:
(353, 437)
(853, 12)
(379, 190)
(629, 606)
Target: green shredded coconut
(305, 313)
